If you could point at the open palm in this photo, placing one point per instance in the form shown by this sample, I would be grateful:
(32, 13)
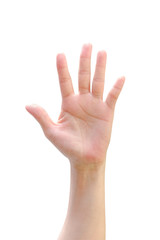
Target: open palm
(83, 130)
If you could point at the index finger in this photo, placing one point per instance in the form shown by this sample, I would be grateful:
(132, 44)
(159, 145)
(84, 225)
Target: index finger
(64, 76)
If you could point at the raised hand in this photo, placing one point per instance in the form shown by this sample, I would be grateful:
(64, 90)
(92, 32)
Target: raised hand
(83, 130)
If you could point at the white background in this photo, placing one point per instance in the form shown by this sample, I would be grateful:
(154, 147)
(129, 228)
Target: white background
(34, 175)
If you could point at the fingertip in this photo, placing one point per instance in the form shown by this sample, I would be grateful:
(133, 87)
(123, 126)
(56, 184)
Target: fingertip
(60, 55)
(123, 78)
(31, 107)
(61, 60)
(87, 45)
(120, 81)
(102, 53)
(86, 50)
(27, 107)
(102, 57)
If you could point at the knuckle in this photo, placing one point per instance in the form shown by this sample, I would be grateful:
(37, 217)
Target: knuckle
(113, 96)
(84, 72)
(64, 79)
(98, 79)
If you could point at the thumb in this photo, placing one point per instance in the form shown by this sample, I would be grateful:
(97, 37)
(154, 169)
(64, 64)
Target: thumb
(41, 116)
(114, 93)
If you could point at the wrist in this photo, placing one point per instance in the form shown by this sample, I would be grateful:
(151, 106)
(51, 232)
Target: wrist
(87, 175)
(88, 166)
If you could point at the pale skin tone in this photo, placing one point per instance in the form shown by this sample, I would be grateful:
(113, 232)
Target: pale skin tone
(82, 133)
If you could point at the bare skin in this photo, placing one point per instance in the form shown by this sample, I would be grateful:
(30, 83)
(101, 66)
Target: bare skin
(82, 133)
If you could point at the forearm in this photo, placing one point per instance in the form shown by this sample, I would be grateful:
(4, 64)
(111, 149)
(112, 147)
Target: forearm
(85, 218)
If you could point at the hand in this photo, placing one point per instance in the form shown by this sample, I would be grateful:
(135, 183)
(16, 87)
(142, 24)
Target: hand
(83, 130)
